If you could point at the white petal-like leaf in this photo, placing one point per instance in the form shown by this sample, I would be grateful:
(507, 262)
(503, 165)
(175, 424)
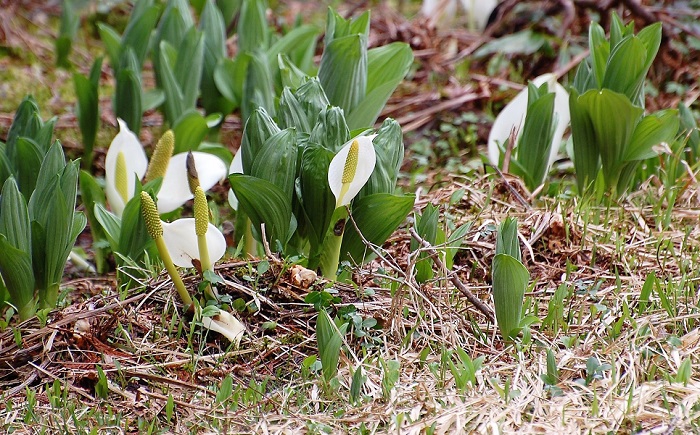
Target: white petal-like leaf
(236, 168)
(225, 324)
(136, 161)
(367, 158)
(175, 190)
(513, 116)
(181, 240)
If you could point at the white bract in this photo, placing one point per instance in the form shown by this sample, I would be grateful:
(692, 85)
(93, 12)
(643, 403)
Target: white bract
(444, 12)
(225, 324)
(175, 189)
(133, 156)
(235, 168)
(513, 117)
(181, 240)
(349, 171)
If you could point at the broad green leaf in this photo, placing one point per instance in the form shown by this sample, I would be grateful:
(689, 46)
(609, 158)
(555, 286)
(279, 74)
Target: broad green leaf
(16, 271)
(276, 161)
(188, 67)
(152, 98)
(329, 341)
(127, 95)
(653, 129)
(291, 114)
(14, 217)
(600, 52)
(91, 194)
(112, 42)
(316, 197)
(26, 123)
(189, 130)
(253, 33)
(290, 74)
(266, 203)
(137, 34)
(5, 166)
(212, 25)
(299, 44)
(258, 129)
(377, 216)
(585, 147)
(386, 68)
(343, 71)
(258, 87)
(330, 130)
(510, 279)
(175, 103)
(229, 76)
(613, 118)
(338, 27)
(29, 158)
(390, 151)
(507, 241)
(313, 99)
(133, 235)
(110, 223)
(70, 22)
(625, 71)
(535, 144)
(87, 111)
(427, 229)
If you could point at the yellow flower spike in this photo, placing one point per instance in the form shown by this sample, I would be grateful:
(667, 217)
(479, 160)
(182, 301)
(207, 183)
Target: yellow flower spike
(121, 178)
(155, 230)
(351, 168)
(161, 157)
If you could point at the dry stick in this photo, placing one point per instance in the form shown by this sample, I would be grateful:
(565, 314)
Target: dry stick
(485, 309)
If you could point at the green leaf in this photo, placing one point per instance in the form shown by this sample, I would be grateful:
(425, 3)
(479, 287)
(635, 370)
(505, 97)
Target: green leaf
(189, 130)
(70, 22)
(535, 143)
(253, 33)
(138, 31)
(290, 74)
(16, 271)
(625, 71)
(291, 113)
(266, 203)
(386, 68)
(112, 43)
(507, 241)
(330, 129)
(14, 217)
(377, 216)
(313, 99)
(229, 77)
(29, 158)
(212, 26)
(510, 279)
(652, 130)
(110, 223)
(316, 197)
(87, 110)
(427, 229)
(600, 52)
(258, 87)
(127, 95)
(134, 239)
(389, 148)
(329, 341)
(586, 157)
(613, 118)
(276, 161)
(188, 67)
(258, 129)
(343, 71)
(175, 103)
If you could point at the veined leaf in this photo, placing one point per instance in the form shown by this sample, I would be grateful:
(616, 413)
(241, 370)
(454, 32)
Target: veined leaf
(276, 161)
(377, 216)
(189, 130)
(317, 199)
(258, 129)
(258, 88)
(389, 148)
(291, 113)
(264, 203)
(329, 341)
(16, 271)
(653, 129)
(343, 71)
(110, 223)
(510, 279)
(313, 99)
(586, 157)
(14, 217)
(229, 77)
(253, 33)
(330, 129)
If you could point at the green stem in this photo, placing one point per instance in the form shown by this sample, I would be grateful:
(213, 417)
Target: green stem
(174, 275)
(205, 263)
(330, 251)
(251, 246)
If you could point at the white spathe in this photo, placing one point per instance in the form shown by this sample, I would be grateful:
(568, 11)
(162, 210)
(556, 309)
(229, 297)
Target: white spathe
(127, 143)
(513, 117)
(235, 168)
(181, 240)
(175, 189)
(366, 160)
(225, 324)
